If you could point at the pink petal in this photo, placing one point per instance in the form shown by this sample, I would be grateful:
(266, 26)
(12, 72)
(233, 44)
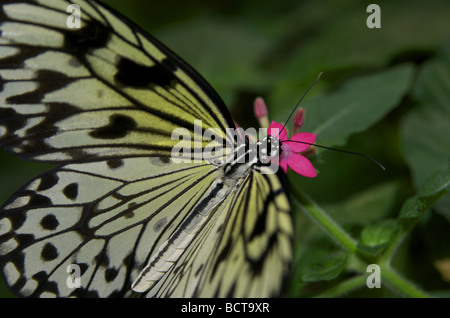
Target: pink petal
(304, 137)
(302, 166)
(275, 129)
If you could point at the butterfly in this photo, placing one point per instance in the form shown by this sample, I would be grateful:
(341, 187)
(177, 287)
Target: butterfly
(100, 98)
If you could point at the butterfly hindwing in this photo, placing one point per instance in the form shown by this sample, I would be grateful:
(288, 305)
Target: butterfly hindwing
(251, 251)
(106, 217)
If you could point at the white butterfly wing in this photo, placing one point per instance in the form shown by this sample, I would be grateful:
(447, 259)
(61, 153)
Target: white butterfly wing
(103, 101)
(106, 217)
(104, 90)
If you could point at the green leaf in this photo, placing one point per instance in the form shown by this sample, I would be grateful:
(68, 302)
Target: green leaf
(375, 237)
(436, 186)
(426, 129)
(443, 206)
(325, 269)
(357, 105)
(337, 41)
(378, 233)
(230, 58)
(366, 206)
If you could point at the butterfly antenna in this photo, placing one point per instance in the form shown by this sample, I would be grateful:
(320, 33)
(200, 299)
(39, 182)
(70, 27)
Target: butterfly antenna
(298, 103)
(340, 150)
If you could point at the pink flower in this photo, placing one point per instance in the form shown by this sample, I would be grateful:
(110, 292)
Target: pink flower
(291, 149)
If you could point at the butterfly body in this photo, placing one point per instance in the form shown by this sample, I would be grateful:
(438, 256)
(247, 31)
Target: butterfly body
(102, 102)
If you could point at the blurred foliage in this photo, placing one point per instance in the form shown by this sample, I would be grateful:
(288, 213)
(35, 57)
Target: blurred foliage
(384, 92)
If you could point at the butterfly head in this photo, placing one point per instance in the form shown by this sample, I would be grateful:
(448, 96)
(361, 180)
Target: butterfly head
(269, 149)
(277, 148)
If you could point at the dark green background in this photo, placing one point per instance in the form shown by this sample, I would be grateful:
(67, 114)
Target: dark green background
(384, 92)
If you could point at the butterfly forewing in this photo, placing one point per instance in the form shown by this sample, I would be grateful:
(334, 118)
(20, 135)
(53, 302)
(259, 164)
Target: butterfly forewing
(69, 93)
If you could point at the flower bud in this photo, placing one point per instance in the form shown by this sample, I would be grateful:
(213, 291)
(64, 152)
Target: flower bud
(261, 112)
(299, 119)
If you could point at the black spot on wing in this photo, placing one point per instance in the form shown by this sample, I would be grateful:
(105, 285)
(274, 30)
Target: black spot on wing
(71, 191)
(111, 274)
(47, 181)
(74, 62)
(37, 200)
(167, 63)
(159, 225)
(160, 161)
(119, 126)
(132, 74)
(129, 213)
(165, 160)
(114, 163)
(49, 222)
(49, 252)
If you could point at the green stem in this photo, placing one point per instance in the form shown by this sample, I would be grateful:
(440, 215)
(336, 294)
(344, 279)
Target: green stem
(389, 276)
(344, 287)
(317, 214)
(394, 244)
(400, 284)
